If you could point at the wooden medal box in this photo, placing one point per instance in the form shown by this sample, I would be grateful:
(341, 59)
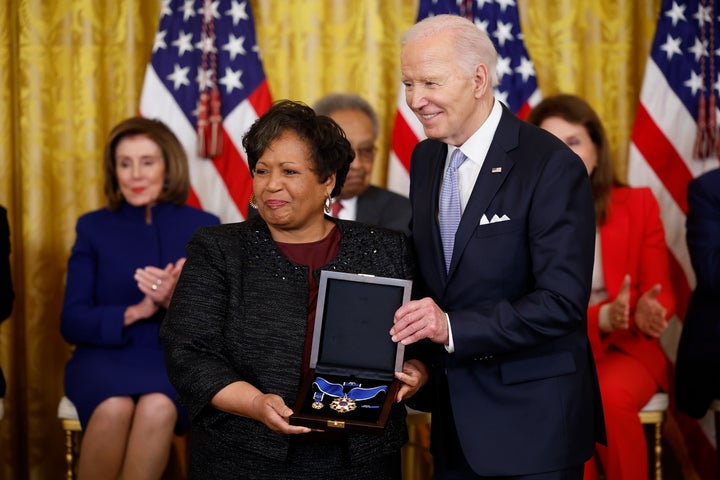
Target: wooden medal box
(351, 383)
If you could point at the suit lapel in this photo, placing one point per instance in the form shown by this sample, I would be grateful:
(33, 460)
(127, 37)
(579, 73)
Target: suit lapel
(434, 199)
(488, 182)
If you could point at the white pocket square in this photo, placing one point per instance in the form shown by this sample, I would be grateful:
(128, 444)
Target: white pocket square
(495, 219)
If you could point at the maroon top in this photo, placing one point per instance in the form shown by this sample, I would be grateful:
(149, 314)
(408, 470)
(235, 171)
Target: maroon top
(313, 255)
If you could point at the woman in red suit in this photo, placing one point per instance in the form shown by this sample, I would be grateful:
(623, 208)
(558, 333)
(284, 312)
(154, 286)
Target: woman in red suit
(631, 296)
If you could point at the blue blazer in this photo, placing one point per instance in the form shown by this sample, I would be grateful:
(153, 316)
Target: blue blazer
(697, 369)
(522, 384)
(110, 359)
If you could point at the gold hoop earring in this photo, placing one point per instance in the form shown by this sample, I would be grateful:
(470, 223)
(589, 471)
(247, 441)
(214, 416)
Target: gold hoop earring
(328, 204)
(253, 201)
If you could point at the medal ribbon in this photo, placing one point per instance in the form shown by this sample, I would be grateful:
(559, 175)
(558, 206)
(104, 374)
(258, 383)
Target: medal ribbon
(357, 393)
(332, 389)
(360, 394)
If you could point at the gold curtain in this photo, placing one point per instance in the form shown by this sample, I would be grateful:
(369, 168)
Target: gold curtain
(314, 47)
(596, 50)
(70, 69)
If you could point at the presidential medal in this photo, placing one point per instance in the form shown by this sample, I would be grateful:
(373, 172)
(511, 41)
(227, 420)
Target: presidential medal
(343, 405)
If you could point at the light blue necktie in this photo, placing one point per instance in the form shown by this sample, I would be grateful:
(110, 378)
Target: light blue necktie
(450, 212)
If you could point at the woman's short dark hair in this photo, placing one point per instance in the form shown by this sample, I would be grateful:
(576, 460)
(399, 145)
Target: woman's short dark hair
(177, 176)
(330, 150)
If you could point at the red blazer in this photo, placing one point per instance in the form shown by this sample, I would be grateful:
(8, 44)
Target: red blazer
(633, 242)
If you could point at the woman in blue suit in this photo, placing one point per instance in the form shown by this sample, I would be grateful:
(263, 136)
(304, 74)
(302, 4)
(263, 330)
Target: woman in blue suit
(121, 276)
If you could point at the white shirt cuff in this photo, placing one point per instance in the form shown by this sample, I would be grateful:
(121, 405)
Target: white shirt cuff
(450, 347)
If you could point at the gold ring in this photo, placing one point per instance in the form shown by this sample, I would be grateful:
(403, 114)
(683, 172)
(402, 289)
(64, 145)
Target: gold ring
(154, 286)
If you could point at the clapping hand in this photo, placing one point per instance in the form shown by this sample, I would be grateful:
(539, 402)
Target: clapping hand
(619, 317)
(650, 315)
(159, 283)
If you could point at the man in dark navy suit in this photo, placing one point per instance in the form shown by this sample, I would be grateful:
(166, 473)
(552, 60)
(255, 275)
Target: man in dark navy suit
(697, 370)
(359, 200)
(502, 319)
(6, 289)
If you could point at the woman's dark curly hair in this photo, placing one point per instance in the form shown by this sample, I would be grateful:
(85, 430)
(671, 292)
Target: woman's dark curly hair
(330, 150)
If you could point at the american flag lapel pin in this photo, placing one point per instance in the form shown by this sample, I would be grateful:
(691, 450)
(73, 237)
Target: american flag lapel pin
(496, 169)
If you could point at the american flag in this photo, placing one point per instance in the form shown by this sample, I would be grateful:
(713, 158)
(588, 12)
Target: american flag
(517, 89)
(677, 101)
(179, 72)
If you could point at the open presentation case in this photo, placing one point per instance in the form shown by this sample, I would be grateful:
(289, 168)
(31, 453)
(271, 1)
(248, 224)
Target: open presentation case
(351, 382)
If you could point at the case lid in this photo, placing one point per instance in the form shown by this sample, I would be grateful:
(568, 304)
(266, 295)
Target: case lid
(352, 325)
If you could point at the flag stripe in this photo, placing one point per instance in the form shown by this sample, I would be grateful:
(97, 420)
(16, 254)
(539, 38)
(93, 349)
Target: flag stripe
(673, 218)
(662, 157)
(260, 98)
(408, 116)
(672, 117)
(403, 141)
(398, 178)
(234, 172)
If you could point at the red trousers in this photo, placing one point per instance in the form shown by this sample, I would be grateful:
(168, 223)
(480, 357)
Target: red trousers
(626, 386)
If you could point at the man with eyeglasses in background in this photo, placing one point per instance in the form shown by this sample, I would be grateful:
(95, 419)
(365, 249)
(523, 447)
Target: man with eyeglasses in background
(359, 200)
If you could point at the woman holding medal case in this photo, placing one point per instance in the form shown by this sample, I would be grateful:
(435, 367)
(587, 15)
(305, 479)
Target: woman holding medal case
(238, 333)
